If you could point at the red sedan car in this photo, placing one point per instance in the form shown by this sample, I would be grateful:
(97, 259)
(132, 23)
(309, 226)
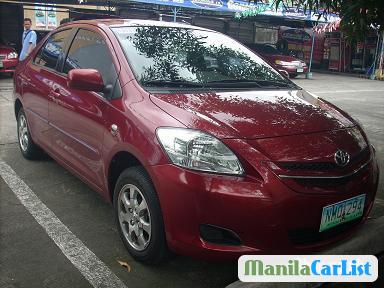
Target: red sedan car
(203, 148)
(8, 58)
(292, 65)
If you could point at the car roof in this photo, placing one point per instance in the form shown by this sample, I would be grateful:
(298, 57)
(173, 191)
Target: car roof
(133, 22)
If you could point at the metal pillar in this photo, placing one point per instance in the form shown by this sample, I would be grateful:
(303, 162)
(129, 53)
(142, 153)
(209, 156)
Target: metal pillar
(381, 62)
(175, 10)
(372, 76)
(309, 73)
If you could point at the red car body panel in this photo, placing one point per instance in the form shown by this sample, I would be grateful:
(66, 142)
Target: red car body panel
(253, 114)
(9, 64)
(265, 129)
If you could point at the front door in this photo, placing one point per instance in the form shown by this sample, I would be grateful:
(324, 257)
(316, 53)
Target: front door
(78, 117)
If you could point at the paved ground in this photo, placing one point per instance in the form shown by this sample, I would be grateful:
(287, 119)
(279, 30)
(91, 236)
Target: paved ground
(29, 257)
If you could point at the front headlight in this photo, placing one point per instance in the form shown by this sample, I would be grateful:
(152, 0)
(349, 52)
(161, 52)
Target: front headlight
(197, 150)
(283, 63)
(12, 55)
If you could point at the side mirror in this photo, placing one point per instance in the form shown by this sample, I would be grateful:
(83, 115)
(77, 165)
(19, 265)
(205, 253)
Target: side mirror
(284, 72)
(85, 79)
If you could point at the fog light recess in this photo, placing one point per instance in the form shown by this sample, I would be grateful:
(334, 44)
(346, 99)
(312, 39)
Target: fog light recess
(218, 235)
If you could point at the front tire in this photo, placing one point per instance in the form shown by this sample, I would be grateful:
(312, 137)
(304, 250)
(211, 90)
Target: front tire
(28, 148)
(138, 216)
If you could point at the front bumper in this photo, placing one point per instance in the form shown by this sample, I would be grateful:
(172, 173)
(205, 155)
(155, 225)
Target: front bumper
(9, 65)
(267, 215)
(292, 69)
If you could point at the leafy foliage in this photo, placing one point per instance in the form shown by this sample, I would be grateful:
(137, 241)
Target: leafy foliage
(170, 50)
(357, 15)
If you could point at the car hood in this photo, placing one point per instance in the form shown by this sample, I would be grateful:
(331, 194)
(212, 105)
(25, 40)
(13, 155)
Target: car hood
(6, 49)
(253, 114)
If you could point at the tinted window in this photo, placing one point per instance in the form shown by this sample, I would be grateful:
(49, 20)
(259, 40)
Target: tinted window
(190, 55)
(50, 52)
(89, 50)
(267, 49)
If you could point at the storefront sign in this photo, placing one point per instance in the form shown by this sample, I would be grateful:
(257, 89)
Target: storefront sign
(51, 16)
(45, 17)
(208, 4)
(40, 19)
(296, 35)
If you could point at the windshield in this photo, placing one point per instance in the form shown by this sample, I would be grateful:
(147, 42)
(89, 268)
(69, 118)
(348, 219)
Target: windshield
(267, 49)
(186, 55)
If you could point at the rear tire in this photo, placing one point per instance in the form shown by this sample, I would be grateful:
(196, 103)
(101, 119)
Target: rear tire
(139, 218)
(293, 75)
(28, 148)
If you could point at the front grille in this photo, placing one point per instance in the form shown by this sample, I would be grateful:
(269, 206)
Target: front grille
(329, 181)
(2, 57)
(323, 166)
(313, 166)
(311, 236)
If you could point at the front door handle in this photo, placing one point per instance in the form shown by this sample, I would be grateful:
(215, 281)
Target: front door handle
(24, 81)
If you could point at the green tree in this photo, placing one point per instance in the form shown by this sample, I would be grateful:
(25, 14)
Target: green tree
(357, 16)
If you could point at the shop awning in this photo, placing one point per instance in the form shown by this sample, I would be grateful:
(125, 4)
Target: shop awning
(244, 9)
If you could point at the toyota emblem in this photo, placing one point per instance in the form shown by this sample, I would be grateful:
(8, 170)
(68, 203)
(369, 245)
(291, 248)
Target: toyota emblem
(341, 158)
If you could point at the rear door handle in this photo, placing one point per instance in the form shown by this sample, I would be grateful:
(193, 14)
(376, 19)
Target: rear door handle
(54, 94)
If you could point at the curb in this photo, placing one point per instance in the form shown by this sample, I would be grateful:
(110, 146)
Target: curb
(356, 75)
(367, 240)
(330, 72)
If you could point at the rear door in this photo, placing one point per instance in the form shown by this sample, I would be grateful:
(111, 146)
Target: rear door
(78, 117)
(37, 81)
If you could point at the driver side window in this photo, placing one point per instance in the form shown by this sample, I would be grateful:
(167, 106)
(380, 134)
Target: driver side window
(89, 51)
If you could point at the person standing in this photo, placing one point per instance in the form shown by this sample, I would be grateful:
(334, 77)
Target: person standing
(28, 40)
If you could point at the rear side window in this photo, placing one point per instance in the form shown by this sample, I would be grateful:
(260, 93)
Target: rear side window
(51, 50)
(89, 51)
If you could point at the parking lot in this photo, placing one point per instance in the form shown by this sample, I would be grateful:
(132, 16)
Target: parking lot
(31, 256)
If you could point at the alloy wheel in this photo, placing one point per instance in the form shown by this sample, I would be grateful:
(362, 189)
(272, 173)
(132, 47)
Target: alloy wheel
(23, 133)
(134, 217)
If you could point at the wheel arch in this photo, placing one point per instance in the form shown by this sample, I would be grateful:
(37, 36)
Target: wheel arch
(119, 162)
(18, 105)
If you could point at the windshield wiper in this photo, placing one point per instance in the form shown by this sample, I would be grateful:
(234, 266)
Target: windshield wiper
(240, 83)
(250, 83)
(232, 82)
(278, 84)
(171, 83)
